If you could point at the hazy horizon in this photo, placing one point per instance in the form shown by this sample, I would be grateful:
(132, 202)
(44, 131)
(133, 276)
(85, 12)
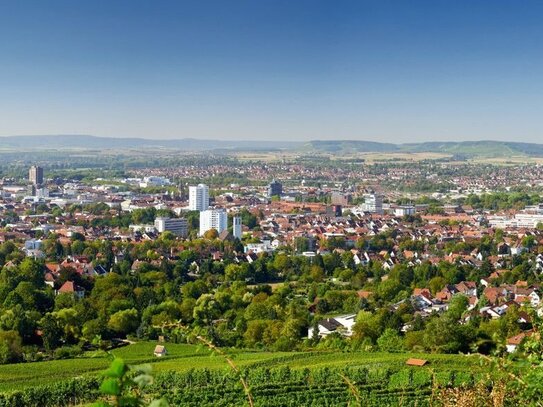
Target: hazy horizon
(388, 71)
(272, 140)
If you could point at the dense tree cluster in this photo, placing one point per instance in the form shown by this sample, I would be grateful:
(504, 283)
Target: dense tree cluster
(269, 302)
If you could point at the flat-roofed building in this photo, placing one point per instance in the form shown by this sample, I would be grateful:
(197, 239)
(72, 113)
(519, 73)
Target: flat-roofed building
(178, 226)
(35, 175)
(213, 219)
(199, 197)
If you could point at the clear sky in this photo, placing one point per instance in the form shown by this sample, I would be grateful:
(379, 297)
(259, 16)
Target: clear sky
(395, 71)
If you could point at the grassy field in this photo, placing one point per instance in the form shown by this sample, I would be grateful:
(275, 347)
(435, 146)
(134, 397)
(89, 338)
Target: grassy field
(372, 158)
(369, 157)
(182, 357)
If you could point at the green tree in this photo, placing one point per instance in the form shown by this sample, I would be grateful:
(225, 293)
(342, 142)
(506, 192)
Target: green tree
(124, 322)
(390, 341)
(457, 306)
(367, 326)
(211, 234)
(436, 284)
(206, 309)
(235, 272)
(51, 332)
(10, 347)
(389, 288)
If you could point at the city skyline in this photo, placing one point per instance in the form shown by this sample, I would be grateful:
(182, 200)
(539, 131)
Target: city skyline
(388, 71)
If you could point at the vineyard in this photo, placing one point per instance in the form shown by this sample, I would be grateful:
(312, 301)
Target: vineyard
(192, 376)
(310, 387)
(271, 387)
(182, 358)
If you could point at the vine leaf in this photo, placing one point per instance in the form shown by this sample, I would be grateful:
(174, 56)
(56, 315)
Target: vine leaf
(117, 369)
(110, 386)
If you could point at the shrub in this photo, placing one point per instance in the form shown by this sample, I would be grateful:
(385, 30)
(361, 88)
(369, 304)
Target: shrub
(67, 352)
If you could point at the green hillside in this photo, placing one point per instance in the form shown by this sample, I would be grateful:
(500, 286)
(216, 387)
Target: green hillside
(192, 376)
(183, 357)
(477, 148)
(350, 146)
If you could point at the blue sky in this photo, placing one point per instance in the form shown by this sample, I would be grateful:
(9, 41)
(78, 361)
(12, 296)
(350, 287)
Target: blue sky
(395, 71)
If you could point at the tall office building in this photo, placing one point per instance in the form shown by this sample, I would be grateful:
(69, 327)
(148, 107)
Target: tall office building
(340, 198)
(213, 219)
(199, 197)
(236, 227)
(373, 203)
(178, 227)
(35, 175)
(275, 188)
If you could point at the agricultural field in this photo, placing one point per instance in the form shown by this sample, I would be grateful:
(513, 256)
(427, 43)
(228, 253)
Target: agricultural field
(182, 358)
(355, 386)
(373, 158)
(510, 161)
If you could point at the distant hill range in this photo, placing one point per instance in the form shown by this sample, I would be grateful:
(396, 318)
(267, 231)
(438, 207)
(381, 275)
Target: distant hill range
(94, 142)
(463, 148)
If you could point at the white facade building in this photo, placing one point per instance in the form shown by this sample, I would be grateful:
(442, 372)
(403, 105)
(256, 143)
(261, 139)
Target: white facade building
(213, 219)
(373, 203)
(198, 197)
(404, 210)
(341, 324)
(520, 220)
(257, 248)
(154, 181)
(33, 244)
(142, 228)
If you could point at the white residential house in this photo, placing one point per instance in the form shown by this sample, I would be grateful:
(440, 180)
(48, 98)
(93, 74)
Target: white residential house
(485, 282)
(357, 259)
(535, 298)
(421, 302)
(468, 288)
(264, 247)
(514, 341)
(494, 312)
(342, 324)
(33, 249)
(33, 244)
(517, 250)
